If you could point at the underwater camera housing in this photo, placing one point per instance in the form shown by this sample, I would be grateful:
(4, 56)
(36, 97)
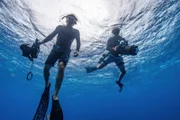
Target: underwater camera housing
(30, 51)
(127, 49)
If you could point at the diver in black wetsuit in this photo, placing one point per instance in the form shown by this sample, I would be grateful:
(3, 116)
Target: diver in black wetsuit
(61, 50)
(112, 56)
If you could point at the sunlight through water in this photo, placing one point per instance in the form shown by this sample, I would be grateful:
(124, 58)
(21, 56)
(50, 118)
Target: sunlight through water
(146, 23)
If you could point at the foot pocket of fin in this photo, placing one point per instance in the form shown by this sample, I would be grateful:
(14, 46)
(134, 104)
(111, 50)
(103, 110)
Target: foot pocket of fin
(56, 111)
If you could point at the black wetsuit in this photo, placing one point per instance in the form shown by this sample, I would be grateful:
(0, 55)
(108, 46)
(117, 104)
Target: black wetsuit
(66, 36)
(61, 49)
(110, 57)
(113, 42)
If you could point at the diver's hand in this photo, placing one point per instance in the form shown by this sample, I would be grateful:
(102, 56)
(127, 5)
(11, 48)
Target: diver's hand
(114, 48)
(76, 53)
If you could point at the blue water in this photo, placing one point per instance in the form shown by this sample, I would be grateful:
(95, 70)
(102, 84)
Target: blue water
(151, 85)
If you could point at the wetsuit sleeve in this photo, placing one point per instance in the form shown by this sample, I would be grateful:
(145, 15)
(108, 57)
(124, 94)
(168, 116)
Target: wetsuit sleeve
(52, 35)
(78, 43)
(109, 45)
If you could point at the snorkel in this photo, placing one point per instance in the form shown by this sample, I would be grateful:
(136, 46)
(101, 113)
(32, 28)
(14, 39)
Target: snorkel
(70, 19)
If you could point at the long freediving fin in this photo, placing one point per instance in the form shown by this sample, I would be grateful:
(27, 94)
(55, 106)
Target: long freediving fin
(43, 105)
(56, 111)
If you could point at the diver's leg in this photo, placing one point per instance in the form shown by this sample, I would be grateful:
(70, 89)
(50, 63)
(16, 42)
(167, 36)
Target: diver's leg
(99, 66)
(123, 72)
(51, 60)
(106, 61)
(102, 65)
(47, 74)
(59, 79)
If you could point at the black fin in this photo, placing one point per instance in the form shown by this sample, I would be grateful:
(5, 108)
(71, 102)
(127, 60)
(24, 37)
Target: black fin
(43, 105)
(56, 110)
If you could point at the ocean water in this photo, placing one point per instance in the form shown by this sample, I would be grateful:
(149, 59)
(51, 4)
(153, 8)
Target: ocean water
(151, 85)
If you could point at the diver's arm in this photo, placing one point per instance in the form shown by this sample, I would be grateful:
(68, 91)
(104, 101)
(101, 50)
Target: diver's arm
(123, 42)
(50, 36)
(109, 45)
(78, 44)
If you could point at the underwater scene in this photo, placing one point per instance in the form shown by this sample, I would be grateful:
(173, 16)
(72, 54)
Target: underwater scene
(144, 85)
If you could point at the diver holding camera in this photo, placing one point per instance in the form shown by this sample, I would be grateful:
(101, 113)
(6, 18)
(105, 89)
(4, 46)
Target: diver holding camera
(116, 47)
(30, 52)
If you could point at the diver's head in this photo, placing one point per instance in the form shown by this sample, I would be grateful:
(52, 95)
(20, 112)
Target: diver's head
(71, 19)
(115, 31)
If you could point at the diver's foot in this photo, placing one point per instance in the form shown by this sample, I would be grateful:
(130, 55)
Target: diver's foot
(55, 97)
(90, 69)
(48, 117)
(120, 85)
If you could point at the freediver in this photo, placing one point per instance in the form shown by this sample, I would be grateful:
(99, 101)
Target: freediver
(112, 56)
(61, 50)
